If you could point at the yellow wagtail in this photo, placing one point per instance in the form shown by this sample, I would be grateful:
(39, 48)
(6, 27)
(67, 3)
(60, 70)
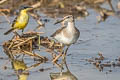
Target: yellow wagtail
(21, 20)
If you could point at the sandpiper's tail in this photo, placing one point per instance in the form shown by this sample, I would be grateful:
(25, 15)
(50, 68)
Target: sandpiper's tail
(9, 31)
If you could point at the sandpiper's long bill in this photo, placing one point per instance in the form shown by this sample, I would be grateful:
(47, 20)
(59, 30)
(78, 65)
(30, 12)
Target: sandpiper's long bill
(68, 34)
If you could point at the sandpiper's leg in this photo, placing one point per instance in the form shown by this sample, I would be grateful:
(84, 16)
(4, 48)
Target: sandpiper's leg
(66, 65)
(64, 54)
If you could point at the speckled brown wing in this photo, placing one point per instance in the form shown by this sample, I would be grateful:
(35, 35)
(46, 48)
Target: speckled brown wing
(58, 31)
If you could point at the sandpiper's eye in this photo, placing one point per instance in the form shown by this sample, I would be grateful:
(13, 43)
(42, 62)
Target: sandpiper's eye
(68, 17)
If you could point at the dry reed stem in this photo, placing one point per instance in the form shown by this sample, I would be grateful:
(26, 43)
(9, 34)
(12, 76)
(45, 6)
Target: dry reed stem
(54, 60)
(2, 1)
(33, 66)
(38, 4)
(6, 17)
(24, 41)
(11, 45)
(33, 54)
(57, 65)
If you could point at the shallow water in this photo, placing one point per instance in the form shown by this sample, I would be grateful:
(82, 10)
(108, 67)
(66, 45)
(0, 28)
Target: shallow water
(103, 37)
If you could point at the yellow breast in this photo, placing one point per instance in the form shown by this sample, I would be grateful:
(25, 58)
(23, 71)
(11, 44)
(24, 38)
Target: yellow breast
(22, 20)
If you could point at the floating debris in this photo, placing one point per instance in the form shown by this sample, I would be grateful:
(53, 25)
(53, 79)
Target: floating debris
(26, 43)
(104, 13)
(100, 62)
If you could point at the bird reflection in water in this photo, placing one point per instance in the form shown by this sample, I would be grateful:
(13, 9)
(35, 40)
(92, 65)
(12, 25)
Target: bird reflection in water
(21, 69)
(66, 75)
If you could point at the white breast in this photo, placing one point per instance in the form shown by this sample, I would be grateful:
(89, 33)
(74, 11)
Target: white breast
(65, 40)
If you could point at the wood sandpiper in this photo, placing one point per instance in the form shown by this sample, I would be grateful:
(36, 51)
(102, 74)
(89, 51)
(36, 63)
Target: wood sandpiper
(68, 34)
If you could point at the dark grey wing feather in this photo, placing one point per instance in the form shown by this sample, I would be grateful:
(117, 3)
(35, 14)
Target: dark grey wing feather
(13, 23)
(15, 20)
(57, 32)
